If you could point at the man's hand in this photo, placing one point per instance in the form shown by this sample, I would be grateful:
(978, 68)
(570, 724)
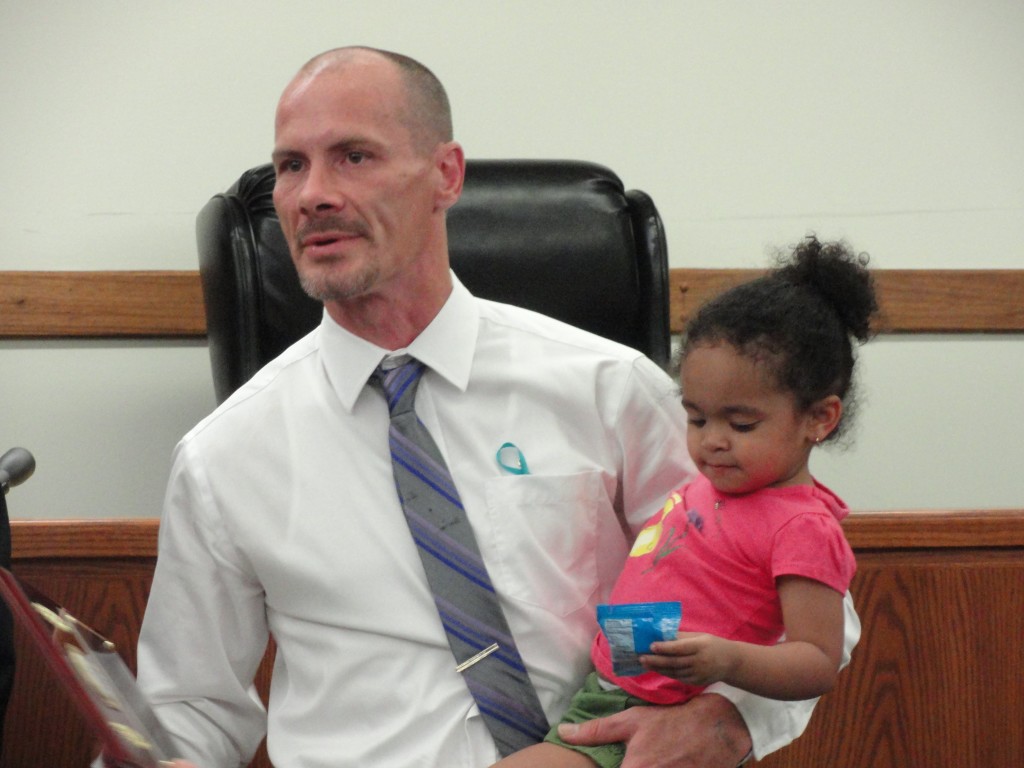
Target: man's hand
(705, 732)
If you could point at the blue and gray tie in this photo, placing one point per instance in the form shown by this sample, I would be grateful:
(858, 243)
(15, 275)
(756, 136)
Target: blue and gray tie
(456, 573)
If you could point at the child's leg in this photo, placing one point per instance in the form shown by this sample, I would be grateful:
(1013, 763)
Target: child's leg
(546, 755)
(592, 700)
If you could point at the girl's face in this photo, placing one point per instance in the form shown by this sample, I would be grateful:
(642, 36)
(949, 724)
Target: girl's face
(743, 432)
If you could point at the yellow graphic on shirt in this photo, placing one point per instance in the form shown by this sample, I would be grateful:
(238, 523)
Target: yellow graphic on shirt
(649, 537)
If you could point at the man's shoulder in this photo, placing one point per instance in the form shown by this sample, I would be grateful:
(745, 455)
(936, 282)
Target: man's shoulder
(260, 394)
(529, 326)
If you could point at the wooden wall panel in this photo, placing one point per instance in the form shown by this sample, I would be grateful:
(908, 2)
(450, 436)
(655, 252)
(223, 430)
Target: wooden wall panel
(935, 680)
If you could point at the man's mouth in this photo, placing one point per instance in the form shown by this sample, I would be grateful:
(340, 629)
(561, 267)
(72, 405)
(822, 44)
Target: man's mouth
(314, 241)
(326, 244)
(319, 237)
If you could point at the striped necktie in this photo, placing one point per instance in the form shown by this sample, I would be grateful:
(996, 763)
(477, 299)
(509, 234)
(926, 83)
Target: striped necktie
(456, 573)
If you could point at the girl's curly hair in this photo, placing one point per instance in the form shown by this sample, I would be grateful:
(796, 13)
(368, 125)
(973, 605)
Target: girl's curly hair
(799, 320)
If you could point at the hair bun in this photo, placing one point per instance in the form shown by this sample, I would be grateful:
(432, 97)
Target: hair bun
(839, 276)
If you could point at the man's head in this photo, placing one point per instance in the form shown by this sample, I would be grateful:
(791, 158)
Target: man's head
(366, 169)
(426, 114)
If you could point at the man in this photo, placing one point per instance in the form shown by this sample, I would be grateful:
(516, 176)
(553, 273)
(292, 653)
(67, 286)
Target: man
(282, 516)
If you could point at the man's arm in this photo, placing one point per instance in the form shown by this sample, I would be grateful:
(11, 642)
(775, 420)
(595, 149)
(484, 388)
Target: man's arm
(774, 724)
(205, 629)
(715, 730)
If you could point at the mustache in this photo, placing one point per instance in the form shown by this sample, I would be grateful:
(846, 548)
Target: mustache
(330, 224)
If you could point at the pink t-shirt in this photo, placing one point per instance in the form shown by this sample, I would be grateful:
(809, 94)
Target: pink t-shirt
(719, 555)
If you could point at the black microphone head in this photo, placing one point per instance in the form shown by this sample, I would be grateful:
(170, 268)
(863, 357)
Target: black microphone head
(16, 466)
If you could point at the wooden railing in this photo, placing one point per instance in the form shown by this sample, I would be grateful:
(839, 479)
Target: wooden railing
(934, 682)
(170, 304)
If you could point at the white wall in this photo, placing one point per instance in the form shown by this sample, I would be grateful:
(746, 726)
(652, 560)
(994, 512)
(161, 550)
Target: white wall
(899, 126)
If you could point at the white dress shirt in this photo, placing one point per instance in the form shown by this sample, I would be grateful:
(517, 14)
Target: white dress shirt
(281, 517)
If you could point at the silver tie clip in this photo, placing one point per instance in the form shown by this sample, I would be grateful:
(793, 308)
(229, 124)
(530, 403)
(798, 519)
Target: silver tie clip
(478, 657)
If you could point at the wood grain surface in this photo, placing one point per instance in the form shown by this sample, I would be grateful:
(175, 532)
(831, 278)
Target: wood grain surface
(169, 304)
(934, 682)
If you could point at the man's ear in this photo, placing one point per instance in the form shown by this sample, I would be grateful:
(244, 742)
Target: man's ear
(450, 161)
(823, 417)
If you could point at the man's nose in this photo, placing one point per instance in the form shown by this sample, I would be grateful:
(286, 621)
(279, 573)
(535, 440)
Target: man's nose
(320, 191)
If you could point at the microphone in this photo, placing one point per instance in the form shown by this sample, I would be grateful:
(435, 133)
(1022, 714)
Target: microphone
(16, 466)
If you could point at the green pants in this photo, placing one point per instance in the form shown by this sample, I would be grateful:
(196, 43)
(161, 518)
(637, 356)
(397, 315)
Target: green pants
(590, 702)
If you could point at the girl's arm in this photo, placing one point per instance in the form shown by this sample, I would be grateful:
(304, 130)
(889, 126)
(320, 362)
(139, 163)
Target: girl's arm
(802, 666)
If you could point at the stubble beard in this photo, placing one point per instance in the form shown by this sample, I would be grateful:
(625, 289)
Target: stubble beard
(322, 281)
(326, 286)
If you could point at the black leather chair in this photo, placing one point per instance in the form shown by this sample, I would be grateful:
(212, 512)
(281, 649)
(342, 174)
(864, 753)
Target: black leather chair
(562, 238)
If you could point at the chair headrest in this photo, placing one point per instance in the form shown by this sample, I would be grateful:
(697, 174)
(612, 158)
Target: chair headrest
(559, 237)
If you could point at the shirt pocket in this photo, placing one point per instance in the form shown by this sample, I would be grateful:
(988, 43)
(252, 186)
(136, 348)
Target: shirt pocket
(545, 538)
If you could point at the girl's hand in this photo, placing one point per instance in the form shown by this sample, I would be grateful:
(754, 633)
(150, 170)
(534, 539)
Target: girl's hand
(696, 658)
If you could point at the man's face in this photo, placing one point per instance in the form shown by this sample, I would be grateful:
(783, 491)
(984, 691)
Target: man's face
(357, 198)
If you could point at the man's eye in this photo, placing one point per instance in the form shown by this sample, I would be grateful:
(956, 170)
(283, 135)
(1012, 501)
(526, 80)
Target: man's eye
(290, 166)
(355, 158)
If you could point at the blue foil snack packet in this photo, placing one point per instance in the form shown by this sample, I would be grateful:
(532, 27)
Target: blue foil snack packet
(632, 627)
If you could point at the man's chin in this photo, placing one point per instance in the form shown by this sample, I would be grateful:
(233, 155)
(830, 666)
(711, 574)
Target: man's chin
(326, 287)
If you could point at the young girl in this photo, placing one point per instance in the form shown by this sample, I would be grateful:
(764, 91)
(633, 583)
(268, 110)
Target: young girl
(752, 548)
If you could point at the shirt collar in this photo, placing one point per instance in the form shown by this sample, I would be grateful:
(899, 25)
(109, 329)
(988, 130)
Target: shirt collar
(445, 346)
